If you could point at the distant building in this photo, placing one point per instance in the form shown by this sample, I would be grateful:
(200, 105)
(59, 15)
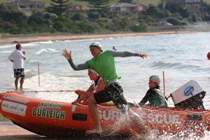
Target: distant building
(72, 9)
(26, 6)
(194, 5)
(121, 8)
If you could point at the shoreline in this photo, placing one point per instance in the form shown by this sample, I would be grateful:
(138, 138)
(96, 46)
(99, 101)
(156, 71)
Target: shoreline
(28, 39)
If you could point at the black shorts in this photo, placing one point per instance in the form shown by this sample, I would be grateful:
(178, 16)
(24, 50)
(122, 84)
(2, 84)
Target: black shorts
(114, 93)
(19, 72)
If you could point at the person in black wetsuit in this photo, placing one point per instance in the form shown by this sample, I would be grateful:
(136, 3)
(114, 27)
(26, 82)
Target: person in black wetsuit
(154, 95)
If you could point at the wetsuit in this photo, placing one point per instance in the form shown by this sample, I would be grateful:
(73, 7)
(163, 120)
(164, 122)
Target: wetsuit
(155, 98)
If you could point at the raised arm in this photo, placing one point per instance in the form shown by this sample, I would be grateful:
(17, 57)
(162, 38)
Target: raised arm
(127, 54)
(67, 55)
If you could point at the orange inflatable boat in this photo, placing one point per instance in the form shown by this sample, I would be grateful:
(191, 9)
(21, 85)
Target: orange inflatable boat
(53, 118)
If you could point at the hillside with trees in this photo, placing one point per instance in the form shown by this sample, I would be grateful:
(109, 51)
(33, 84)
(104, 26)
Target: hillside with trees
(97, 19)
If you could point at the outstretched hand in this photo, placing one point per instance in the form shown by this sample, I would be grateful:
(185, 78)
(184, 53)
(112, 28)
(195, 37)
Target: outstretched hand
(66, 54)
(143, 55)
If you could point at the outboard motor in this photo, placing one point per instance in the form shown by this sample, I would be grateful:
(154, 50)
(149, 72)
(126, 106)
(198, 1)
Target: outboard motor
(195, 102)
(190, 95)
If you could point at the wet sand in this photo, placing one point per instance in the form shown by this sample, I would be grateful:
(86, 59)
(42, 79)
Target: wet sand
(9, 131)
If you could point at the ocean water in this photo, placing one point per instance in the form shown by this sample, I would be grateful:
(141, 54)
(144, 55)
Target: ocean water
(181, 57)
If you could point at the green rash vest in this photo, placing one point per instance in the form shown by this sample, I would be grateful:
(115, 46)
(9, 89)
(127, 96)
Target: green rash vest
(104, 65)
(154, 97)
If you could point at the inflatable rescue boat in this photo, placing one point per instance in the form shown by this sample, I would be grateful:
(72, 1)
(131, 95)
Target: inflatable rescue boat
(55, 119)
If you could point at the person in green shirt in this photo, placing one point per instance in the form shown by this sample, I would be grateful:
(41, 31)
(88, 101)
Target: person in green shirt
(103, 63)
(154, 95)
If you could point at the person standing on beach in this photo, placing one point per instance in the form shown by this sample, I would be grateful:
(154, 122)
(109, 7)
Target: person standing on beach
(17, 57)
(103, 63)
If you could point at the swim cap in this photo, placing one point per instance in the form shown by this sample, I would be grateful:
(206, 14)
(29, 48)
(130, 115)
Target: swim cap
(155, 78)
(97, 45)
(18, 46)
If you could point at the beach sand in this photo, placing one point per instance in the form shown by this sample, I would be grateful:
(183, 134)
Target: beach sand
(9, 131)
(25, 39)
(3, 119)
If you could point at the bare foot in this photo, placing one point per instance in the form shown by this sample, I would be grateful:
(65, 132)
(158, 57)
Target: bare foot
(94, 131)
(21, 89)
